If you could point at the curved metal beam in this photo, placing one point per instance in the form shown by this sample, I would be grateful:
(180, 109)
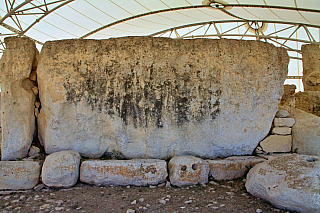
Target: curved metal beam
(195, 7)
(11, 12)
(229, 21)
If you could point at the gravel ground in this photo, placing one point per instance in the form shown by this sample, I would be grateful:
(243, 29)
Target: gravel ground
(219, 196)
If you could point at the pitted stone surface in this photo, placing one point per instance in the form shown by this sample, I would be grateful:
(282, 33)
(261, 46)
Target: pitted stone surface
(277, 143)
(306, 133)
(188, 170)
(136, 172)
(289, 182)
(284, 122)
(17, 105)
(311, 67)
(232, 167)
(157, 97)
(19, 174)
(308, 101)
(61, 169)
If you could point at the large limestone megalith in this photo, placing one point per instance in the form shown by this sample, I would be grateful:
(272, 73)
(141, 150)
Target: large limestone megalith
(156, 97)
(17, 98)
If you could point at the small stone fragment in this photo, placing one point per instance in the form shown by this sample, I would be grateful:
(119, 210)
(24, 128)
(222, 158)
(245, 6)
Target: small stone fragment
(284, 122)
(34, 151)
(35, 90)
(134, 202)
(130, 211)
(282, 114)
(39, 187)
(258, 210)
(36, 112)
(162, 201)
(33, 76)
(281, 131)
(37, 104)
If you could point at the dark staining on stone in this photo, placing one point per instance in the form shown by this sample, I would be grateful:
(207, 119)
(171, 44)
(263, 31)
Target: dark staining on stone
(143, 101)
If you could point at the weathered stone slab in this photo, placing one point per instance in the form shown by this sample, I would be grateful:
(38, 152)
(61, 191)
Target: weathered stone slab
(158, 97)
(308, 101)
(284, 122)
(311, 67)
(281, 131)
(306, 133)
(287, 100)
(232, 167)
(137, 172)
(277, 143)
(188, 170)
(19, 174)
(17, 98)
(289, 182)
(61, 169)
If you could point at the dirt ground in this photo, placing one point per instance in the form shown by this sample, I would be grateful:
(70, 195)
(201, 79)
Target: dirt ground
(219, 196)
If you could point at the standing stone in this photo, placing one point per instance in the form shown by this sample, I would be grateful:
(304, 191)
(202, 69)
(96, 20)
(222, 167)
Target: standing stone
(136, 172)
(308, 101)
(311, 67)
(287, 100)
(151, 97)
(284, 122)
(17, 105)
(277, 143)
(19, 174)
(232, 167)
(289, 182)
(188, 170)
(306, 133)
(61, 169)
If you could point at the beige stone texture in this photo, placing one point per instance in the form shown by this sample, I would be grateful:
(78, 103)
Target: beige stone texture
(33, 76)
(61, 169)
(284, 122)
(136, 172)
(311, 67)
(34, 151)
(19, 174)
(308, 101)
(306, 133)
(282, 114)
(17, 105)
(287, 100)
(281, 131)
(188, 170)
(289, 182)
(277, 143)
(232, 167)
(151, 97)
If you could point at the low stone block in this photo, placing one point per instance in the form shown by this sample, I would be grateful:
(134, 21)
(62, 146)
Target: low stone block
(280, 122)
(16, 175)
(282, 114)
(232, 167)
(277, 143)
(136, 172)
(188, 170)
(281, 131)
(289, 182)
(61, 169)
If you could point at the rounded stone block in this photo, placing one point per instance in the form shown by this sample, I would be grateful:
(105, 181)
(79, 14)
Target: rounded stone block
(289, 182)
(16, 175)
(61, 169)
(277, 143)
(232, 167)
(282, 114)
(136, 172)
(188, 170)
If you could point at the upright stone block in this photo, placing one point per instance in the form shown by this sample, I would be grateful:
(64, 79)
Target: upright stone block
(188, 170)
(277, 143)
(308, 101)
(16, 175)
(136, 172)
(151, 97)
(17, 98)
(311, 67)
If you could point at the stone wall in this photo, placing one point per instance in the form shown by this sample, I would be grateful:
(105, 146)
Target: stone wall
(17, 98)
(157, 97)
(311, 67)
